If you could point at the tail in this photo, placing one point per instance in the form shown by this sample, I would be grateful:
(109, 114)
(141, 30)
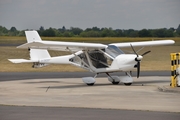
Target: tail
(35, 54)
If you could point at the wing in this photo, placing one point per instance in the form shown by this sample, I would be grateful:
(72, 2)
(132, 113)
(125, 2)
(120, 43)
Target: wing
(76, 46)
(62, 46)
(145, 43)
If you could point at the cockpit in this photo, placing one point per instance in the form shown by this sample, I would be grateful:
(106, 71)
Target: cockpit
(98, 58)
(113, 51)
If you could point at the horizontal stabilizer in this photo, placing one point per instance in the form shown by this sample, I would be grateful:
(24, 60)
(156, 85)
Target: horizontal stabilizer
(22, 61)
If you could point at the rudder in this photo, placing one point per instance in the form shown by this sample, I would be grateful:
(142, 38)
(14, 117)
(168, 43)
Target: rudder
(36, 54)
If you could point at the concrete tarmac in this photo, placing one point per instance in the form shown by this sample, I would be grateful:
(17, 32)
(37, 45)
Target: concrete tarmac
(9, 76)
(146, 93)
(64, 113)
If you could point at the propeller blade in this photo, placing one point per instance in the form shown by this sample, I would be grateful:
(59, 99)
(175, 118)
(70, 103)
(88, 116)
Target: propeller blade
(138, 59)
(146, 53)
(134, 50)
(138, 69)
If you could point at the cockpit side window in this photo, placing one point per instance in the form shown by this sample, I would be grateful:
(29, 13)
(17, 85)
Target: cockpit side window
(113, 51)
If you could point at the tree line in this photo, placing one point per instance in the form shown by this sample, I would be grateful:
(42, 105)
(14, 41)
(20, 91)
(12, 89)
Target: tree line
(95, 32)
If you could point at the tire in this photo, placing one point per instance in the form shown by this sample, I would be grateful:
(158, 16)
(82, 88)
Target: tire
(90, 84)
(115, 83)
(127, 84)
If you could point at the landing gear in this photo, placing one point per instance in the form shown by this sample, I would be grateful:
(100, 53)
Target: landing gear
(127, 84)
(113, 79)
(115, 83)
(89, 80)
(90, 84)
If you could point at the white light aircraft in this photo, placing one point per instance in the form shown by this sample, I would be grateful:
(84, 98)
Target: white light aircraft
(94, 57)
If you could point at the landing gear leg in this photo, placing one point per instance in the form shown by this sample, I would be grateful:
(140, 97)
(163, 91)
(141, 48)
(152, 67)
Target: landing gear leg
(129, 73)
(114, 82)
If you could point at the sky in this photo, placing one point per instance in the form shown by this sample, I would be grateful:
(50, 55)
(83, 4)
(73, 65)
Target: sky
(117, 14)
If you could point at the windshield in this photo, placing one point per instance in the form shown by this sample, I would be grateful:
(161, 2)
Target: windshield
(113, 51)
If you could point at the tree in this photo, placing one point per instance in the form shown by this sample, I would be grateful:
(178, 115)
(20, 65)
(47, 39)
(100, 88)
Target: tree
(107, 32)
(48, 33)
(159, 32)
(133, 34)
(3, 30)
(178, 30)
(41, 28)
(88, 29)
(169, 33)
(119, 33)
(90, 34)
(13, 29)
(96, 29)
(13, 32)
(21, 33)
(144, 33)
(63, 28)
(67, 34)
(76, 31)
(96, 32)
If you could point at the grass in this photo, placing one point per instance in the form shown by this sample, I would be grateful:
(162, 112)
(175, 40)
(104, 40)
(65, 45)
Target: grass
(158, 59)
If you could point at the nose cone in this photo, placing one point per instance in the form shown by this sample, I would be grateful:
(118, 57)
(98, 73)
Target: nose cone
(139, 58)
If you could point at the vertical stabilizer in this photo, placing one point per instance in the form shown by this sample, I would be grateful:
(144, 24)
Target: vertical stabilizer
(36, 54)
(32, 36)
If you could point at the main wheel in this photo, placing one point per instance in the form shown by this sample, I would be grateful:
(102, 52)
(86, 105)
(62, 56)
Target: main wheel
(115, 83)
(90, 84)
(127, 84)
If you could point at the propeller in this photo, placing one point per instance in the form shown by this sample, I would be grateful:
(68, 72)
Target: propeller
(146, 53)
(138, 59)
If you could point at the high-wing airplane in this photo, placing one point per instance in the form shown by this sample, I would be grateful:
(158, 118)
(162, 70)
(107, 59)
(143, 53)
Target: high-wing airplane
(94, 57)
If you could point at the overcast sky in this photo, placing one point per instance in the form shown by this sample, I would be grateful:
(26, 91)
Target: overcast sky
(118, 14)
